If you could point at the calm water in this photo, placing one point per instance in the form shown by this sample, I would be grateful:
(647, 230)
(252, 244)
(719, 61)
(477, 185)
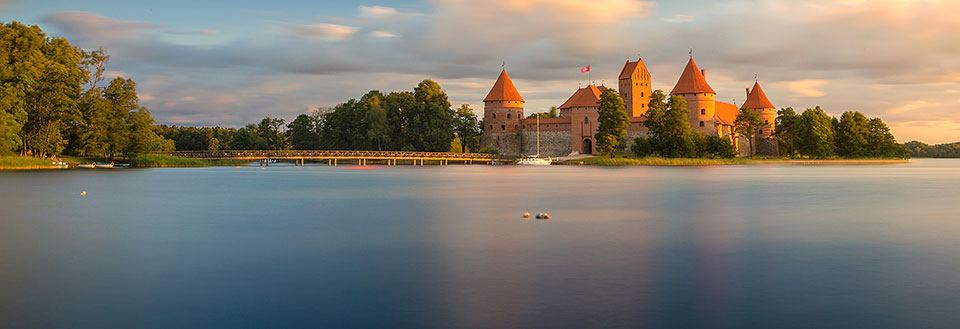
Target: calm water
(431, 247)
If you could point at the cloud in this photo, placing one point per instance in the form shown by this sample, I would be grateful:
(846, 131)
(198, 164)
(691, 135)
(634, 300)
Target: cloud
(378, 12)
(679, 19)
(89, 27)
(383, 34)
(325, 31)
(203, 32)
(807, 88)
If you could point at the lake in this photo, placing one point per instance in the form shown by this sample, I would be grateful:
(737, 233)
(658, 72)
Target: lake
(767, 246)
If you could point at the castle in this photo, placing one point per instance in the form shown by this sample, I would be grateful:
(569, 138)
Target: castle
(506, 128)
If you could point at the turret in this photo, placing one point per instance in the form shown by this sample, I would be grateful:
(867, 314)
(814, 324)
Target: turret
(635, 87)
(757, 101)
(700, 97)
(503, 107)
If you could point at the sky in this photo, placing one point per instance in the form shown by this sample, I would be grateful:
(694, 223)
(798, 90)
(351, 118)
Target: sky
(232, 62)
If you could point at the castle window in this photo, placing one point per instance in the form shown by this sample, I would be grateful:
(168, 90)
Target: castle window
(766, 122)
(760, 131)
(491, 127)
(508, 115)
(503, 127)
(641, 94)
(703, 111)
(701, 123)
(494, 115)
(515, 126)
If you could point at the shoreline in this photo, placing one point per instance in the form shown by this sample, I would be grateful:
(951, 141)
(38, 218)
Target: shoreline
(696, 162)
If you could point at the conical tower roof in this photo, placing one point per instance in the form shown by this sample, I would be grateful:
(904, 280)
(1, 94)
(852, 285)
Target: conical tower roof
(692, 81)
(504, 90)
(757, 99)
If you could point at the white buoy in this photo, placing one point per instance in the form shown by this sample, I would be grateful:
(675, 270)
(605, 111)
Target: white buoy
(543, 215)
(526, 215)
(83, 193)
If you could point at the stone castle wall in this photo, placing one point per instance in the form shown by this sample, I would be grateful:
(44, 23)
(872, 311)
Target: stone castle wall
(552, 143)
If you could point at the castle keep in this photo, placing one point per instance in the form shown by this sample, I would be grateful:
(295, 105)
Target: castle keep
(506, 128)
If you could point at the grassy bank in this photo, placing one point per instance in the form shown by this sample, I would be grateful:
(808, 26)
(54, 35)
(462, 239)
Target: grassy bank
(687, 162)
(24, 163)
(654, 161)
(166, 161)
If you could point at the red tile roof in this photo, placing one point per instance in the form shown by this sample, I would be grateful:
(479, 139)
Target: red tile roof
(584, 97)
(630, 67)
(504, 90)
(757, 99)
(692, 81)
(726, 113)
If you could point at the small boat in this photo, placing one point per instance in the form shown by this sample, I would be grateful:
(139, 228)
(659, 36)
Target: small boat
(104, 165)
(536, 160)
(87, 165)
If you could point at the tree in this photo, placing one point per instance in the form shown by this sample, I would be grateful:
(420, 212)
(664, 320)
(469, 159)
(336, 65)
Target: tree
(23, 67)
(554, 112)
(719, 147)
(671, 130)
(786, 132)
(378, 130)
(467, 129)
(430, 123)
(852, 131)
(614, 121)
(642, 147)
(815, 136)
(746, 125)
(303, 133)
(271, 131)
(247, 138)
(881, 143)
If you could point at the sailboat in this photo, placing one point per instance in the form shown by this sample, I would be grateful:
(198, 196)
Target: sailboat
(536, 160)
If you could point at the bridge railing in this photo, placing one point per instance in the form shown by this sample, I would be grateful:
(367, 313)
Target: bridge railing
(278, 154)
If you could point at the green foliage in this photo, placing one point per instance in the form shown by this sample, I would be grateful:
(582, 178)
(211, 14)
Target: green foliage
(923, 150)
(882, 144)
(719, 147)
(657, 161)
(852, 131)
(554, 112)
(51, 102)
(668, 126)
(614, 122)
(786, 132)
(166, 161)
(247, 138)
(747, 124)
(303, 133)
(642, 147)
(467, 129)
(489, 150)
(814, 134)
(272, 132)
(419, 121)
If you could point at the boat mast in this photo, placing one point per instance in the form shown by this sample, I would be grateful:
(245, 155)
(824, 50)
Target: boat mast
(538, 135)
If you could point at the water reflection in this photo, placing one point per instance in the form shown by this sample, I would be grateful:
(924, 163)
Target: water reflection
(721, 247)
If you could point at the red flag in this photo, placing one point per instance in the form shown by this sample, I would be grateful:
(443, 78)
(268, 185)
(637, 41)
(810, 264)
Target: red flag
(585, 69)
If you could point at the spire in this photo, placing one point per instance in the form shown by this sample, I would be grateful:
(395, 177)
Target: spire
(692, 81)
(504, 90)
(757, 99)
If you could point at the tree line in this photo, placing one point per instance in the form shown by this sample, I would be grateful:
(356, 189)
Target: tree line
(418, 120)
(52, 101)
(923, 150)
(814, 134)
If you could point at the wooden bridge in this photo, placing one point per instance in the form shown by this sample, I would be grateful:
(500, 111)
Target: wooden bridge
(333, 158)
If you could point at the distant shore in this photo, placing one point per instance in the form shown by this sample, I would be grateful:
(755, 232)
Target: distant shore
(687, 162)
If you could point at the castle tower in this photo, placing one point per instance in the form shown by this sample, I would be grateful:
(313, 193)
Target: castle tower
(757, 101)
(503, 116)
(635, 88)
(701, 99)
